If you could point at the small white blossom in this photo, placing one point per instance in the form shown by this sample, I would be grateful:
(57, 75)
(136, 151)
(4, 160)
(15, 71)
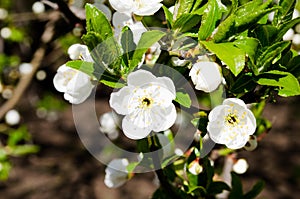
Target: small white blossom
(79, 51)
(38, 7)
(3, 13)
(12, 117)
(146, 103)
(109, 125)
(288, 36)
(5, 33)
(241, 166)
(206, 76)
(76, 85)
(25, 68)
(195, 168)
(116, 173)
(296, 39)
(231, 123)
(138, 7)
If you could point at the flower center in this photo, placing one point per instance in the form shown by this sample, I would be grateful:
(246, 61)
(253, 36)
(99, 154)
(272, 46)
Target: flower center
(232, 119)
(146, 102)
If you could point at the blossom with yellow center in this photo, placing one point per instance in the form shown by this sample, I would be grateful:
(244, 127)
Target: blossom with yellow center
(231, 123)
(146, 103)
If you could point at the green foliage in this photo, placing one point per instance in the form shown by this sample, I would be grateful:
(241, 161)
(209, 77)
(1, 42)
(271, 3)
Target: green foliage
(183, 99)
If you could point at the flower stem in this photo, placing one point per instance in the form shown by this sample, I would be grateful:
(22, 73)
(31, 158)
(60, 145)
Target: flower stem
(165, 185)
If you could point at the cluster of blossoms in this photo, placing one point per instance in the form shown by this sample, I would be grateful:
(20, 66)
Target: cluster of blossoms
(146, 104)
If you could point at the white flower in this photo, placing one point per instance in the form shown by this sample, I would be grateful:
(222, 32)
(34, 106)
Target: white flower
(76, 85)
(241, 166)
(38, 7)
(109, 125)
(231, 123)
(138, 7)
(12, 117)
(3, 14)
(146, 103)
(206, 76)
(116, 173)
(79, 51)
(120, 20)
(296, 39)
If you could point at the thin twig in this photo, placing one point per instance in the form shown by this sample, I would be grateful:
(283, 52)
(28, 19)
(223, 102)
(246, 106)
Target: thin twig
(35, 62)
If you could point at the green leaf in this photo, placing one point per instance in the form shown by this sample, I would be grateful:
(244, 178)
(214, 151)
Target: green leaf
(186, 22)
(293, 66)
(212, 14)
(184, 6)
(132, 165)
(96, 21)
(265, 34)
(257, 188)
(147, 40)
(249, 46)
(233, 56)
(217, 187)
(237, 189)
(285, 13)
(112, 84)
(284, 28)
(183, 99)
(83, 66)
(271, 55)
(243, 84)
(21, 150)
(18, 135)
(5, 169)
(168, 16)
(128, 44)
(287, 83)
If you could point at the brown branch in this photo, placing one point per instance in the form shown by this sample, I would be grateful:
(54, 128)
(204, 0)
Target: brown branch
(35, 62)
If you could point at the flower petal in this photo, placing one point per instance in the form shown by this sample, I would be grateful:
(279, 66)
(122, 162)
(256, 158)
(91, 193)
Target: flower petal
(123, 6)
(234, 102)
(163, 118)
(132, 131)
(140, 77)
(119, 101)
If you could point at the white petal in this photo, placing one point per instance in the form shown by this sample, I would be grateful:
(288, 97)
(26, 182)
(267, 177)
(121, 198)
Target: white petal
(76, 50)
(119, 20)
(116, 173)
(134, 132)
(234, 102)
(60, 82)
(163, 118)
(251, 122)
(168, 84)
(123, 6)
(145, 7)
(120, 100)
(140, 77)
(137, 29)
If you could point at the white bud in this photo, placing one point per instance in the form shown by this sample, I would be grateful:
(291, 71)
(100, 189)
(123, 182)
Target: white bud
(25, 68)
(195, 168)
(5, 32)
(296, 39)
(38, 7)
(241, 166)
(12, 117)
(3, 13)
(288, 36)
